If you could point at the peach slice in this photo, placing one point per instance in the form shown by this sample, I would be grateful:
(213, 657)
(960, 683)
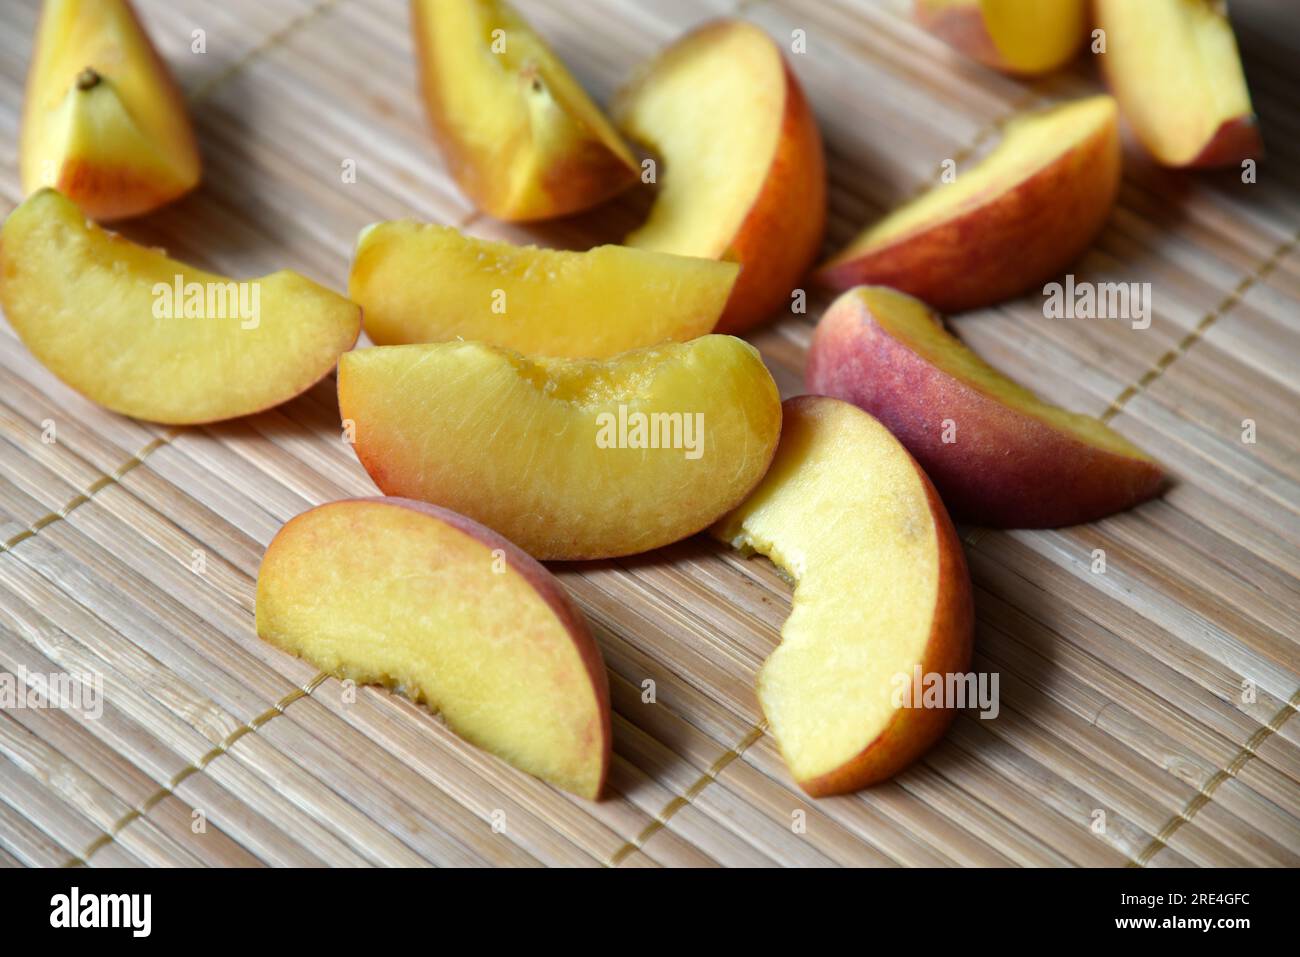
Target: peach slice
(999, 455)
(1174, 66)
(881, 590)
(568, 458)
(417, 598)
(1010, 223)
(104, 122)
(1020, 37)
(744, 177)
(152, 338)
(420, 283)
(522, 138)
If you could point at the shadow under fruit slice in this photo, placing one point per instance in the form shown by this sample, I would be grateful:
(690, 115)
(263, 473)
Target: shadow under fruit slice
(399, 593)
(568, 458)
(428, 283)
(103, 120)
(1015, 219)
(152, 338)
(521, 136)
(881, 590)
(998, 454)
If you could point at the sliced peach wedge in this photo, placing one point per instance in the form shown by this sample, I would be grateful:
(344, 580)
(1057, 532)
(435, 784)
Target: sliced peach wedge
(426, 283)
(568, 458)
(1020, 37)
(1175, 69)
(521, 136)
(999, 455)
(104, 122)
(743, 176)
(399, 593)
(155, 339)
(1017, 218)
(881, 594)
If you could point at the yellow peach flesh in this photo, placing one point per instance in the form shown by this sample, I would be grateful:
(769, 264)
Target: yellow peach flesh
(522, 137)
(1028, 145)
(103, 121)
(1026, 37)
(710, 182)
(420, 283)
(1176, 70)
(880, 589)
(743, 173)
(558, 454)
(392, 593)
(102, 314)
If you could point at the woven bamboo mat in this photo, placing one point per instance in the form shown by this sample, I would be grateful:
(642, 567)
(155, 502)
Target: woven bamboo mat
(1125, 736)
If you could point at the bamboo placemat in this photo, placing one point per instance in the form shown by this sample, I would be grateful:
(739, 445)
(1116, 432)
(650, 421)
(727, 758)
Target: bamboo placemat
(1124, 736)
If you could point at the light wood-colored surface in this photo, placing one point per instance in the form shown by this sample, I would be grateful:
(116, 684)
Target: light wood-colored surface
(1121, 692)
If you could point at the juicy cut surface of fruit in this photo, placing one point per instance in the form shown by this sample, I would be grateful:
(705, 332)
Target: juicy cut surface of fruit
(155, 339)
(427, 283)
(1015, 219)
(743, 176)
(1176, 71)
(521, 136)
(569, 458)
(104, 122)
(881, 595)
(400, 593)
(1021, 37)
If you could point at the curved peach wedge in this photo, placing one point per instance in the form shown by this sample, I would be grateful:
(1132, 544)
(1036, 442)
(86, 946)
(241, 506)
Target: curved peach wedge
(881, 595)
(999, 455)
(521, 136)
(426, 283)
(1174, 67)
(152, 338)
(568, 458)
(1016, 219)
(104, 122)
(744, 176)
(1020, 37)
(420, 599)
